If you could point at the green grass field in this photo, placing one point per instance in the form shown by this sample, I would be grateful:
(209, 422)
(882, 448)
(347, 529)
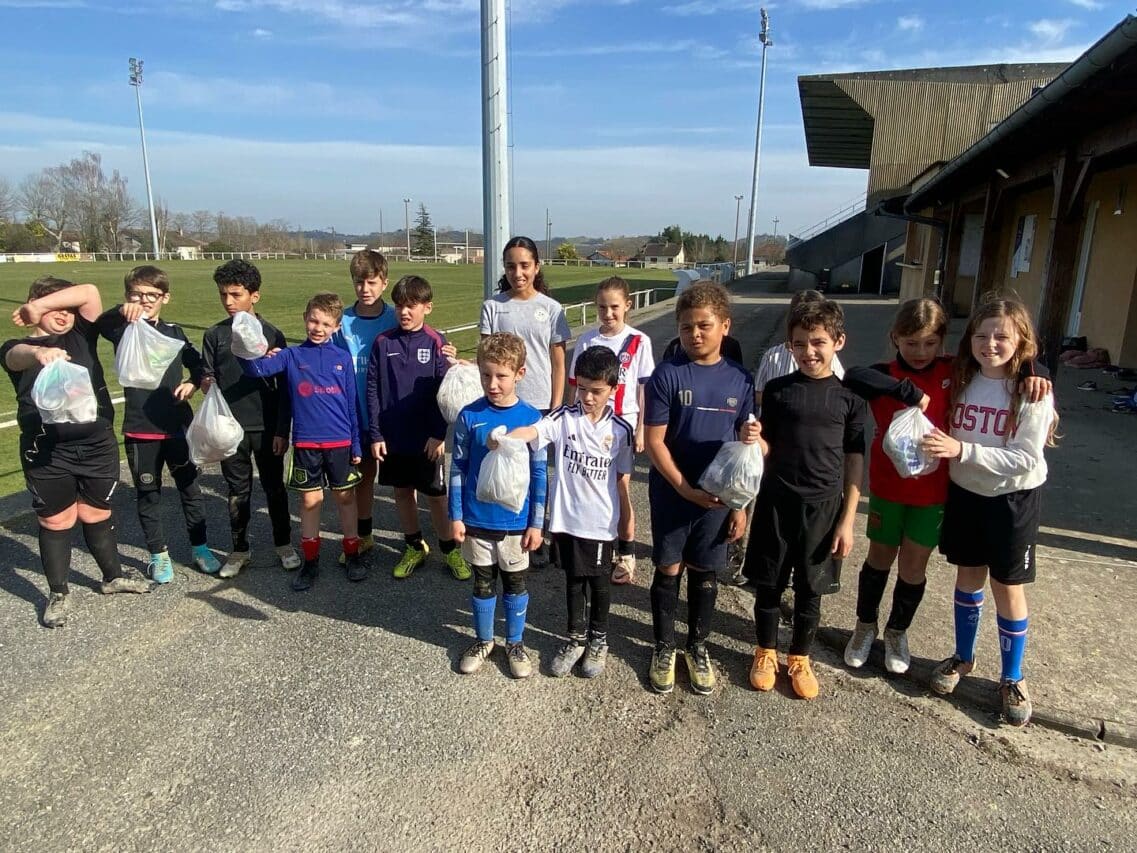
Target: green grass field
(287, 286)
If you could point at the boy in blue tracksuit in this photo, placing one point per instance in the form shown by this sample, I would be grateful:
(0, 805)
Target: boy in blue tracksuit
(407, 430)
(320, 378)
(493, 538)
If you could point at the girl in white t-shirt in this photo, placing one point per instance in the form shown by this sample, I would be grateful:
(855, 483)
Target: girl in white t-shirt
(991, 517)
(633, 350)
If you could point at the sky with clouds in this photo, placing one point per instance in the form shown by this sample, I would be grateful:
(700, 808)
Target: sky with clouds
(627, 115)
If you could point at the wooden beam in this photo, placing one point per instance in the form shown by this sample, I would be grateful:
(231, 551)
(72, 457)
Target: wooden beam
(989, 242)
(1057, 286)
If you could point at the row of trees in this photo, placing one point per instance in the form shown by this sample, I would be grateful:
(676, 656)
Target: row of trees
(702, 248)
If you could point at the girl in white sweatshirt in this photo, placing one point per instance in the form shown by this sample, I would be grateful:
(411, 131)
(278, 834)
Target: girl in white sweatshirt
(991, 516)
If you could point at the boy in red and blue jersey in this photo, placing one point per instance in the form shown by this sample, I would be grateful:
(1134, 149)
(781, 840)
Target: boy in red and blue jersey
(406, 427)
(320, 379)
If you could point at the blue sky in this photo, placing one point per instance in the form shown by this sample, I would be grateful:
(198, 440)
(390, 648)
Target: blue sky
(627, 114)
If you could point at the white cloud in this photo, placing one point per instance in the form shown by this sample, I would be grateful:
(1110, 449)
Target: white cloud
(910, 23)
(832, 4)
(599, 190)
(1092, 5)
(262, 33)
(1050, 30)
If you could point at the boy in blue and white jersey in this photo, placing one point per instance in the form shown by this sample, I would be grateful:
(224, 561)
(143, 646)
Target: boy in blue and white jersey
(494, 539)
(407, 430)
(694, 404)
(361, 324)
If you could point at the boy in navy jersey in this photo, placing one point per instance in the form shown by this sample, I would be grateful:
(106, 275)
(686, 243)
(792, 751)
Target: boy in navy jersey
(407, 430)
(320, 379)
(694, 403)
(362, 323)
(494, 539)
(803, 519)
(154, 425)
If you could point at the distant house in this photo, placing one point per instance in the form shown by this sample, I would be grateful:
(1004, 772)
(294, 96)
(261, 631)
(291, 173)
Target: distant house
(662, 255)
(602, 258)
(354, 247)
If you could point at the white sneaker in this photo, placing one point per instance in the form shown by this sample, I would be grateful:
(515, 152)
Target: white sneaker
(896, 657)
(860, 644)
(289, 559)
(236, 561)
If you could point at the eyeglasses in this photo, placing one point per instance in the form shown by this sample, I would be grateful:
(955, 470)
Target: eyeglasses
(144, 295)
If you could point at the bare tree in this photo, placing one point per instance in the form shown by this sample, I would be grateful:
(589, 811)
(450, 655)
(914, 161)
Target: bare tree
(117, 211)
(7, 201)
(201, 221)
(181, 223)
(44, 200)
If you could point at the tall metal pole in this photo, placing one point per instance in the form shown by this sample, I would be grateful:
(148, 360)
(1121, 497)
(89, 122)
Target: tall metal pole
(737, 210)
(407, 221)
(776, 221)
(136, 82)
(495, 142)
(548, 233)
(764, 37)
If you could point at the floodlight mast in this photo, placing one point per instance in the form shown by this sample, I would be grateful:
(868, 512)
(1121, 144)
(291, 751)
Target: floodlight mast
(764, 38)
(136, 82)
(407, 225)
(495, 143)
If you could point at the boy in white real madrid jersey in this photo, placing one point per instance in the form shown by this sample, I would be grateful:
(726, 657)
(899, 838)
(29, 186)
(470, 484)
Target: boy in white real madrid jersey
(590, 503)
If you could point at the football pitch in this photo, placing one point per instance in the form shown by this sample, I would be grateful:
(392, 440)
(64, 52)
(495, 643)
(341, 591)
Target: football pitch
(287, 285)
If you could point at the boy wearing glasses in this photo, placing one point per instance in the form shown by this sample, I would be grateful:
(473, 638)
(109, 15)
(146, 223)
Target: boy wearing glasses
(154, 424)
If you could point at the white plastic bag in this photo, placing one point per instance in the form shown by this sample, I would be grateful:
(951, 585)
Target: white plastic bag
(214, 434)
(461, 386)
(63, 394)
(144, 354)
(902, 443)
(735, 473)
(504, 475)
(249, 339)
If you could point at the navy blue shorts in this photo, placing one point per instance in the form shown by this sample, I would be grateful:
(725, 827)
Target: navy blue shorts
(682, 532)
(314, 468)
(414, 471)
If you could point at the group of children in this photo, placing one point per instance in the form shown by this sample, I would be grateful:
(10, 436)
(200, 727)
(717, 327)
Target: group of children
(358, 397)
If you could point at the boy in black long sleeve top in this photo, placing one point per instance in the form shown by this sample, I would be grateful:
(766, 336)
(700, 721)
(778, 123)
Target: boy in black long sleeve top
(154, 424)
(263, 412)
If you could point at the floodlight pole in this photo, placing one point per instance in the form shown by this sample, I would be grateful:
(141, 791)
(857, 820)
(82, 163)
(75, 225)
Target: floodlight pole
(495, 143)
(764, 37)
(136, 82)
(737, 209)
(407, 225)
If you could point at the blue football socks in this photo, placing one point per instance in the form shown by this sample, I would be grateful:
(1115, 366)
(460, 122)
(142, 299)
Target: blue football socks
(484, 609)
(1012, 647)
(968, 609)
(516, 606)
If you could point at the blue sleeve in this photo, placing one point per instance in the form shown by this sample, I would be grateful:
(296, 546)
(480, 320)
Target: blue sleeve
(348, 386)
(374, 365)
(657, 398)
(538, 482)
(269, 365)
(459, 465)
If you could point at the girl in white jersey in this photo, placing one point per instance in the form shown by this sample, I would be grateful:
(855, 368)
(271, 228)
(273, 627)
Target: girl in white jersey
(991, 517)
(633, 350)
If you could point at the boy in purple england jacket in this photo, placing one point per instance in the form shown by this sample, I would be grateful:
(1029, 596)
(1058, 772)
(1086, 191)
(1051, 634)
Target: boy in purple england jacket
(403, 376)
(320, 378)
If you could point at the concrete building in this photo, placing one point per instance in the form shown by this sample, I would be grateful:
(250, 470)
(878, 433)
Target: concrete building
(1042, 206)
(895, 124)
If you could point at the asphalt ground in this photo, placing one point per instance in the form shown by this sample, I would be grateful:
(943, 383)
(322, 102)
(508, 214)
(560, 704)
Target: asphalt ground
(241, 716)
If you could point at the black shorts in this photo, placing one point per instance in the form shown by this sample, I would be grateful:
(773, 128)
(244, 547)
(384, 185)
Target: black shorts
(792, 539)
(59, 475)
(682, 532)
(313, 468)
(414, 471)
(584, 558)
(999, 532)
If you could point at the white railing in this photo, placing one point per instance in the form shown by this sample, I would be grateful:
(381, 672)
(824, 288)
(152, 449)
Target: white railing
(847, 211)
